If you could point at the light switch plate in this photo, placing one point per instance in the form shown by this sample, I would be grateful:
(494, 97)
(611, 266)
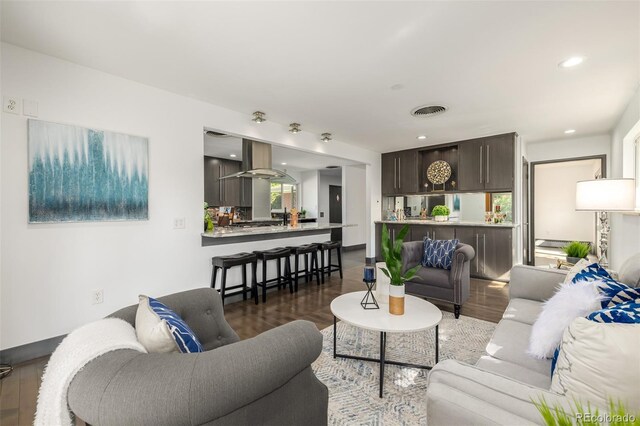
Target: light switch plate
(11, 104)
(29, 108)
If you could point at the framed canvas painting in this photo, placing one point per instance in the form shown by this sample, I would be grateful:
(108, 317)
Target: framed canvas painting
(78, 174)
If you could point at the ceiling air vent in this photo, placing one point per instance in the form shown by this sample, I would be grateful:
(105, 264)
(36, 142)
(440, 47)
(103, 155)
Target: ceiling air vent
(428, 111)
(215, 134)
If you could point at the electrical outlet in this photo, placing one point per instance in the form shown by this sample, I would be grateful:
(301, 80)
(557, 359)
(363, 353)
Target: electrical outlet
(97, 296)
(178, 223)
(11, 104)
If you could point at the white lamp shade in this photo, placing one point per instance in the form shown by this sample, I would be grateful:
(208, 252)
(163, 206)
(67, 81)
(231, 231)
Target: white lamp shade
(609, 195)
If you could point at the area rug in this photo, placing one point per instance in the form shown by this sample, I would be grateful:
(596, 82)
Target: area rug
(353, 385)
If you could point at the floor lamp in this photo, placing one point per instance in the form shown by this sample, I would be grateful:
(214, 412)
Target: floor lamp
(603, 196)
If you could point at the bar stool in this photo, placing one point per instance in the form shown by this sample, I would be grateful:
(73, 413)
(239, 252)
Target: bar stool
(274, 254)
(327, 246)
(225, 263)
(307, 250)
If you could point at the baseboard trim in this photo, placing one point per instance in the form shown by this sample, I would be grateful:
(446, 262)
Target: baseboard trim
(23, 353)
(354, 248)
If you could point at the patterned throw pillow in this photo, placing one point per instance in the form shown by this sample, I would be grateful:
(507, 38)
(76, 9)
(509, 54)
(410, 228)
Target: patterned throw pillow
(613, 292)
(160, 329)
(438, 253)
(592, 272)
(628, 313)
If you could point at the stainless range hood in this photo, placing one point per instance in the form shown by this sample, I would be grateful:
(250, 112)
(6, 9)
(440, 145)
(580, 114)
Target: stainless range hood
(256, 164)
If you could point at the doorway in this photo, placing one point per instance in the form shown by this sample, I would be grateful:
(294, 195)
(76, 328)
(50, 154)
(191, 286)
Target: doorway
(553, 217)
(335, 210)
(527, 258)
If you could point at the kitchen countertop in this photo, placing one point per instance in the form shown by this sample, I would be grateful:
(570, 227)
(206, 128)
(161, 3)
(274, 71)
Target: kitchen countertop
(235, 234)
(449, 223)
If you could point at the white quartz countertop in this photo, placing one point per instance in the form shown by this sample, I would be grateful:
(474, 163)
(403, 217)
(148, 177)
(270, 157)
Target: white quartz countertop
(449, 223)
(236, 231)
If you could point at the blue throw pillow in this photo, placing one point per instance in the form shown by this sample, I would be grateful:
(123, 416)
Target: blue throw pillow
(183, 335)
(612, 291)
(438, 253)
(628, 312)
(593, 272)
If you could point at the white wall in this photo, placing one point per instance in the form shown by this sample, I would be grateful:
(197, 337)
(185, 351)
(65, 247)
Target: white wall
(354, 182)
(309, 192)
(570, 147)
(625, 229)
(555, 212)
(48, 271)
(324, 180)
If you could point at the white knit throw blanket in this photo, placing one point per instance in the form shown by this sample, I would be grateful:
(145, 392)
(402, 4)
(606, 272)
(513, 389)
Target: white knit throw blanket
(74, 352)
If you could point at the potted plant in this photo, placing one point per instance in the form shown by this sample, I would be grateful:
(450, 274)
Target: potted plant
(208, 217)
(303, 213)
(392, 255)
(440, 213)
(575, 251)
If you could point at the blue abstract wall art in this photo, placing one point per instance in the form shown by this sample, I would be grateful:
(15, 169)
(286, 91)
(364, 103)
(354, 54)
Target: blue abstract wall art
(78, 174)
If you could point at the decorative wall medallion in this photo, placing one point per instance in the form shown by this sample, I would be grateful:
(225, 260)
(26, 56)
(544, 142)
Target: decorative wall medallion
(439, 173)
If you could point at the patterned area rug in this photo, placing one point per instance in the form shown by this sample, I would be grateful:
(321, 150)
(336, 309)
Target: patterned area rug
(353, 384)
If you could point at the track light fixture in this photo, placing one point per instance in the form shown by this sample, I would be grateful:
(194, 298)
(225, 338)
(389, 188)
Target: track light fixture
(294, 127)
(325, 137)
(259, 117)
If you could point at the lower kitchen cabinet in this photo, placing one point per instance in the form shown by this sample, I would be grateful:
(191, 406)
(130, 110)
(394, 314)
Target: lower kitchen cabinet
(493, 246)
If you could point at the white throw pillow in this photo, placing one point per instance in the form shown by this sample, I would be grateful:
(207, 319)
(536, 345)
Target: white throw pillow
(598, 362)
(568, 303)
(152, 332)
(582, 263)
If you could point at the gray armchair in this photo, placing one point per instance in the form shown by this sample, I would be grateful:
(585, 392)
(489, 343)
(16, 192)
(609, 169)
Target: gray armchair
(442, 284)
(266, 380)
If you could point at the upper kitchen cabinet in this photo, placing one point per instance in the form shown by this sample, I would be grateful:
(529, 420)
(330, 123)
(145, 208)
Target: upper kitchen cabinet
(487, 164)
(212, 184)
(225, 192)
(400, 172)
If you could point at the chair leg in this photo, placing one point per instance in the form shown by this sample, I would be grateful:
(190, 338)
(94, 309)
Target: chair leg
(214, 275)
(295, 276)
(264, 281)
(329, 263)
(254, 281)
(245, 288)
(339, 249)
(317, 268)
(456, 311)
(287, 271)
(223, 284)
(279, 272)
(306, 268)
(322, 270)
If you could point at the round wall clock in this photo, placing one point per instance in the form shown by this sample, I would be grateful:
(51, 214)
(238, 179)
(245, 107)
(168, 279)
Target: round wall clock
(439, 172)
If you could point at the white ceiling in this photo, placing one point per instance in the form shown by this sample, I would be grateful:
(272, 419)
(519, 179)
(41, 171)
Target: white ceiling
(331, 65)
(296, 160)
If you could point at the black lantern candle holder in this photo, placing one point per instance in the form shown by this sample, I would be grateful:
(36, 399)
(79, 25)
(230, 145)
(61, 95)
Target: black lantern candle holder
(369, 301)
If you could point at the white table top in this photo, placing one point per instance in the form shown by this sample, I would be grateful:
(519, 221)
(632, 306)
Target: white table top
(418, 314)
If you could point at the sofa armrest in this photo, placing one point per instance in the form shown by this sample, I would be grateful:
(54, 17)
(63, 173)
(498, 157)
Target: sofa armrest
(411, 255)
(126, 387)
(528, 282)
(459, 393)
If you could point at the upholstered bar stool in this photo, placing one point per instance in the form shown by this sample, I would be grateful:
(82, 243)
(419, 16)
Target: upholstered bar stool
(310, 253)
(276, 254)
(224, 263)
(327, 247)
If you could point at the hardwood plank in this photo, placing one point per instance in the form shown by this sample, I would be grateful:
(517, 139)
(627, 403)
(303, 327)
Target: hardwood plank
(28, 393)
(10, 399)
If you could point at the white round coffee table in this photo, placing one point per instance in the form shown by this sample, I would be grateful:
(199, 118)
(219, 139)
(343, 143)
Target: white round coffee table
(418, 315)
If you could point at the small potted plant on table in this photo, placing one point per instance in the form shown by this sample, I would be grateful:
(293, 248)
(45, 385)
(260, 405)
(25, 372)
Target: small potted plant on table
(392, 255)
(575, 251)
(440, 213)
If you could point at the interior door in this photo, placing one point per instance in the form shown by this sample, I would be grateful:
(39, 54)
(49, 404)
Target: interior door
(526, 237)
(335, 210)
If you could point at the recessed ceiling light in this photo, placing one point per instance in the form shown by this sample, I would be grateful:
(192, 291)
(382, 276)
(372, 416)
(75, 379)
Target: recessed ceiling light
(569, 131)
(232, 155)
(284, 164)
(422, 137)
(571, 62)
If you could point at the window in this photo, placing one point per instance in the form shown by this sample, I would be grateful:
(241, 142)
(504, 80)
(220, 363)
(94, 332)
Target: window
(504, 201)
(283, 195)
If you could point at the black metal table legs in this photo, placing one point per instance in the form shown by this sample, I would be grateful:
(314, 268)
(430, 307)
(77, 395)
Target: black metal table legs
(382, 360)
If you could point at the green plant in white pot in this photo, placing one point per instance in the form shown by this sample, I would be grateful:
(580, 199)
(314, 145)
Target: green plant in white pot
(392, 255)
(575, 251)
(440, 213)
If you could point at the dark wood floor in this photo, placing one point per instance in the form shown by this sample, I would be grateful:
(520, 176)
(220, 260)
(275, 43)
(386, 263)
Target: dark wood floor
(488, 300)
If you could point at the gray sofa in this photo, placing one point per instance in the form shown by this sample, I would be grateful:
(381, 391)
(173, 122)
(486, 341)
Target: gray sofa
(499, 389)
(447, 285)
(265, 380)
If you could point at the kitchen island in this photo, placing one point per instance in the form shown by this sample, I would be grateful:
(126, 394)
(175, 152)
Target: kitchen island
(240, 234)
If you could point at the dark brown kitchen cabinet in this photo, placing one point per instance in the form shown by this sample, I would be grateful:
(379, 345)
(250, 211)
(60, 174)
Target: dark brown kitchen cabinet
(494, 251)
(212, 185)
(394, 229)
(470, 236)
(230, 187)
(225, 192)
(487, 164)
(435, 232)
(400, 172)
(246, 189)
